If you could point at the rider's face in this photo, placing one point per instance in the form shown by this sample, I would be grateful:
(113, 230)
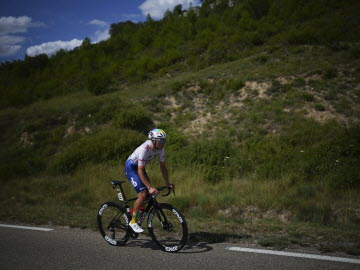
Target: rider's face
(159, 145)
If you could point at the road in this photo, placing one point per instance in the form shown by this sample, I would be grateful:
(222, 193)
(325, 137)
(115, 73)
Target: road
(65, 248)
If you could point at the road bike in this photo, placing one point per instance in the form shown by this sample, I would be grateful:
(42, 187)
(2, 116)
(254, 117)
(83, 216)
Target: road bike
(166, 225)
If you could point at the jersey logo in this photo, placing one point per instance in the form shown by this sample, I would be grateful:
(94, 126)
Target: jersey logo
(133, 182)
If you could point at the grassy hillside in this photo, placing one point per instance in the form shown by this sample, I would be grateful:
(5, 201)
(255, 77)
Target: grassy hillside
(219, 31)
(270, 145)
(264, 148)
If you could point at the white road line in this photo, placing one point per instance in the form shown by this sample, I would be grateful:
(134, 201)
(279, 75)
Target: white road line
(292, 254)
(26, 227)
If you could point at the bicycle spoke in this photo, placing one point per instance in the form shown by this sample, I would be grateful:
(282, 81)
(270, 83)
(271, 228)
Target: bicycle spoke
(168, 229)
(112, 221)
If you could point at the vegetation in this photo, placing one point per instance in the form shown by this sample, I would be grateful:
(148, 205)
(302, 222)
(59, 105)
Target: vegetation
(182, 41)
(260, 100)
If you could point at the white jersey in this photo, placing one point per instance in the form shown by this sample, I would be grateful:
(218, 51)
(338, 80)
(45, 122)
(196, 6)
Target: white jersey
(144, 154)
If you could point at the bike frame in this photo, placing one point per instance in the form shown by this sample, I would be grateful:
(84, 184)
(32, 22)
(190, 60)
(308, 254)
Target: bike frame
(152, 208)
(152, 202)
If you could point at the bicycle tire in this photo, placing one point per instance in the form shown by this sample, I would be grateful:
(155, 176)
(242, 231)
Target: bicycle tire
(113, 223)
(167, 227)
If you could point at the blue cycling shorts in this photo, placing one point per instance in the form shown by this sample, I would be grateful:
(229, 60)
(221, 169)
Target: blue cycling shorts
(131, 173)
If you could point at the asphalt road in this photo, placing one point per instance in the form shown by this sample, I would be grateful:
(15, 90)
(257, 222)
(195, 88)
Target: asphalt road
(65, 248)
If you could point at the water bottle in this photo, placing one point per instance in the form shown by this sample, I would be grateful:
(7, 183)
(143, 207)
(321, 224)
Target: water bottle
(140, 216)
(120, 197)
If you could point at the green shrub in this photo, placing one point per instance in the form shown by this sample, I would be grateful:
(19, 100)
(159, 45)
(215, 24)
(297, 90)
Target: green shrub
(107, 109)
(311, 211)
(181, 202)
(320, 107)
(262, 59)
(332, 94)
(99, 83)
(110, 144)
(135, 117)
(308, 97)
(254, 38)
(135, 71)
(305, 192)
(355, 52)
(299, 82)
(185, 118)
(206, 87)
(329, 73)
(276, 242)
(208, 155)
(275, 88)
(234, 84)
(176, 86)
(305, 35)
(344, 176)
(20, 162)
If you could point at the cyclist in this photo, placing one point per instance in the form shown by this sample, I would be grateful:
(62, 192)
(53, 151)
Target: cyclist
(136, 173)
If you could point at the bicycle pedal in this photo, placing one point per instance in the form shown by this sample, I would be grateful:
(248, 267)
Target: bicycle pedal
(134, 235)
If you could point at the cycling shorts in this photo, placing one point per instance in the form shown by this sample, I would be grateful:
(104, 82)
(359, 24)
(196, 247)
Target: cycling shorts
(131, 173)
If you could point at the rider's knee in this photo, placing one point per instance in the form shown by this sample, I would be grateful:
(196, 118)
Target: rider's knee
(142, 195)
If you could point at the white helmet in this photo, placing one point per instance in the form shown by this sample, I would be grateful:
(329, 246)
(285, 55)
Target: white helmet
(157, 135)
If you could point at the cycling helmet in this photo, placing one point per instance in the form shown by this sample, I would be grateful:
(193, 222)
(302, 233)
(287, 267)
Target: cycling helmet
(157, 135)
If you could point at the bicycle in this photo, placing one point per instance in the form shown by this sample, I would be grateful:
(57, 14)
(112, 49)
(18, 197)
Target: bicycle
(166, 225)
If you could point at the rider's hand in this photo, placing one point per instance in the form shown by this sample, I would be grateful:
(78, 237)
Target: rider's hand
(153, 191)
(171, 186)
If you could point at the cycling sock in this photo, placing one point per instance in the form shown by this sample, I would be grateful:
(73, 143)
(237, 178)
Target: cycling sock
(134, 218)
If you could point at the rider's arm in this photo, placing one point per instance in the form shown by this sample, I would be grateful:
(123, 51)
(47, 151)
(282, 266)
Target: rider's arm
(165, 174)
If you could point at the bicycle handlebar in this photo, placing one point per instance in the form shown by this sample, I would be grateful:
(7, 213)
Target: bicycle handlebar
(118, 183)
(169, 190)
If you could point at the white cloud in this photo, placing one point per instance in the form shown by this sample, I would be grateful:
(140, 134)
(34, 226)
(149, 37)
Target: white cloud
(10, 25)
(100, 35)
(7, 39)
(9, 44)
(157, 8)
(52, 47)
(103, 33)
(98, 23)
(8, 50)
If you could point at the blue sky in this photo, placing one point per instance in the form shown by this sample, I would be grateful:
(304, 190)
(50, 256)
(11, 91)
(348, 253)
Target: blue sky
(39, 26)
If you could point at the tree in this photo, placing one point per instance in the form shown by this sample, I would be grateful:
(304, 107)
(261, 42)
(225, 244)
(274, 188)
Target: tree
(191, 15)
(86, 43)
(177, 10)
(168, 14)
(36, 62)
(118, 28)
(149, 19)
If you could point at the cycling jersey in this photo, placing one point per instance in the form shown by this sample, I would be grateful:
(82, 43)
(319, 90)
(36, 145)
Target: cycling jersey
(144, 154)
(141, 157)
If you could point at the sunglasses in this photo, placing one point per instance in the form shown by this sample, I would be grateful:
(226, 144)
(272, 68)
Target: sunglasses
(162, 141)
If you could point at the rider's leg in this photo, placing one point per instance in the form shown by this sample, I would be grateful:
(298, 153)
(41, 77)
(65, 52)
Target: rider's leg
(132, 174)
(141, 198)
(133, 223)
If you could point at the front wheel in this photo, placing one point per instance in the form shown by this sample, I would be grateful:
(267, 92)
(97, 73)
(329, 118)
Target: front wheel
(113, 223)
(167, 227)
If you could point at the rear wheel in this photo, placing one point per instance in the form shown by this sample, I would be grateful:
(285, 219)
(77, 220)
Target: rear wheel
(168, 228)
(113, 223)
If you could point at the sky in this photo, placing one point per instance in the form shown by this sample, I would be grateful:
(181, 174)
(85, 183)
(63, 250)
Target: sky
(46, 26)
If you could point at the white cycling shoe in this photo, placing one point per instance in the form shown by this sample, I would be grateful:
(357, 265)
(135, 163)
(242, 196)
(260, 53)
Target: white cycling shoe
(135, 227)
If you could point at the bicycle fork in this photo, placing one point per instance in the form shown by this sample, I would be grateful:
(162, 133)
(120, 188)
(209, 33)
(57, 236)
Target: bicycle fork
(165, 224)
